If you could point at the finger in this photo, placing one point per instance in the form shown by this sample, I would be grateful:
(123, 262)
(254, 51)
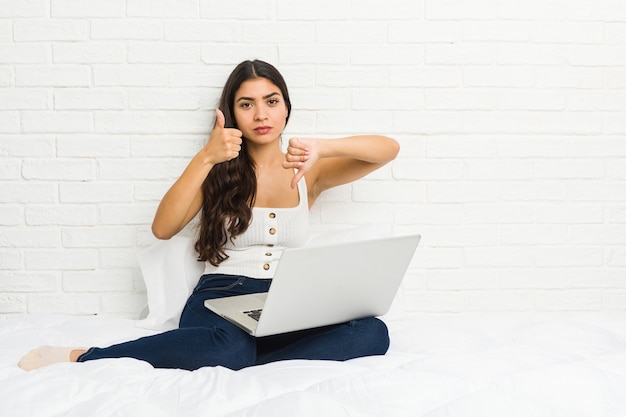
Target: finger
(220, 120)
(296, 178)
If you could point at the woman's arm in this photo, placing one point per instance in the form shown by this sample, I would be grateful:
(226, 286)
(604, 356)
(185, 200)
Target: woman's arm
(327, 163)
(184, 199)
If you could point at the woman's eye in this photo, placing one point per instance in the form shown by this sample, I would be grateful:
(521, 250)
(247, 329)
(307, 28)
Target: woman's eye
(245, 105)
(272, 101)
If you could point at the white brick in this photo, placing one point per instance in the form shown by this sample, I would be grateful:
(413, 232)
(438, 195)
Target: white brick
(87, 8)
(352, 77)
(353, 122)
(12, 304)
(427, 122)
(461, 192)
(539, 122)
(438, 258)
(520, 99)
(330, 99)
(430, 76)
(428, 170)
(65, 259)
(127, 214)
(428, 214)
(89, 53)
(100, 280)
(355, 213)
(535, 146)
(6, 31)
(163, 52)
(498, 31)
(65, 215)
(597, 191)
(175, 99)
(202, 31)
(614, 78)
(95, 192)
(581, 168)
(9, 122)
(274, 31)
(501, 169)
(166, 146)
(497, 76)
(597, 234)
(20, 8)
(567, 32)
(162, 8)
(53, 76)
(499, 213)
(11, 215)
(498, 257)
(180, 122)
(23, 53)
(455, 9)
(141, 169)
(568, 300)
(92, 99)
(320, 54)
(50, 30)
(533, 191)
(387, 54)
(352, 33)
(594, 55)
(28, 282)
(532, 278)
(26, 146)
(424, 32)
(459, 54)
(126, 306)
(532, 9)
(28, 192)
(615, 123)
(617, 256)
(297, 10)
(56, 122)
(533, 235)
(246, 9)
(59, 170)
(64, 304)
(616, 213)
(570, 213)
(126, 29)
(6, 76)
(92, 146)
(23, 99)
(10, 169)
(501, 301)
(437, 301)
(117, 258)
(11, 259)
(235, 53)
(568, 77)
(130, 76)
(21, 237)
(109, 237)
(461, 236)
(460, 147)
(385, 191)
(390, 10)
(462, 279)
(448, 99)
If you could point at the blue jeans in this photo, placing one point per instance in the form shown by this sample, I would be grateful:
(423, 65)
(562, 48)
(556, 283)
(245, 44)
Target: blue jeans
(206, 339)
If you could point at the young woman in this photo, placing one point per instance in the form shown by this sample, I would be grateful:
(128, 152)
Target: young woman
(253, 201)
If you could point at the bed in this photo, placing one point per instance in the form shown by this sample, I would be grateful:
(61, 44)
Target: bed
(460, 365)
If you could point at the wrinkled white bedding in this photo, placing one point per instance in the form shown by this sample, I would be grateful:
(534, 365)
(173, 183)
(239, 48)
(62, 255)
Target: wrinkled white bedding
(500, 365)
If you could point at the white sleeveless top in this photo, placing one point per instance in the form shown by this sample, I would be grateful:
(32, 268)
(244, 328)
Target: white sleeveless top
(256, 252)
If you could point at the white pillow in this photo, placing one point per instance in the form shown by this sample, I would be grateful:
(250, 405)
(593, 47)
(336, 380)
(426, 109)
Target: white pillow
(171, 270)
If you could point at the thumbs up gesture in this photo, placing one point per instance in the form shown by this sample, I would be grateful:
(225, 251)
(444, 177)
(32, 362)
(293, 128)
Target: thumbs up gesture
(224, 143)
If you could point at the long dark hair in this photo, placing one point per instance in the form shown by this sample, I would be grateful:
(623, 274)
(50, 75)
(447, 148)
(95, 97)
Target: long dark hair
(229, 190)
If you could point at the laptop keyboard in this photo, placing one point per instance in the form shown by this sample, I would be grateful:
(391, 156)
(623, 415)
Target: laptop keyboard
(255, 314)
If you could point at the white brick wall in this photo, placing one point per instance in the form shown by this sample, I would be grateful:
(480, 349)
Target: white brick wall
(511, 116)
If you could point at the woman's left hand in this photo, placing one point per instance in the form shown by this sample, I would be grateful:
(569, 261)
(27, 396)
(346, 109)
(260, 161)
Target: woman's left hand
(301, 155)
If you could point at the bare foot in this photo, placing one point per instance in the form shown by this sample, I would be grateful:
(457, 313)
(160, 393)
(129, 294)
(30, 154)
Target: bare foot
(48, 355)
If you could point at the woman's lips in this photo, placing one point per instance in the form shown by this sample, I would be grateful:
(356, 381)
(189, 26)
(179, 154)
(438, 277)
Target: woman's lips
(262, 130)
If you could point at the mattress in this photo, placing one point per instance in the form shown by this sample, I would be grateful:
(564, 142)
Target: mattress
(489, 364)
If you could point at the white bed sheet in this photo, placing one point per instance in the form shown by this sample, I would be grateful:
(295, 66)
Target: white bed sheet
(500, 365)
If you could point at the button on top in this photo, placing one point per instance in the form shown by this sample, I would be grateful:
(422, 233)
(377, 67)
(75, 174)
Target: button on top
(272, 215)
(266, 266)
(272, 231)
(268, 253)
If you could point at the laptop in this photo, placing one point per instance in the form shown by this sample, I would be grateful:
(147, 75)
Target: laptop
(323, 285)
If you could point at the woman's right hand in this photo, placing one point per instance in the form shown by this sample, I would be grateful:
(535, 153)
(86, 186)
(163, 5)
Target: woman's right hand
(224, 143)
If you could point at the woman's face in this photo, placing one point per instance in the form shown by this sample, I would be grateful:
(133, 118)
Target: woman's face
(260, 111)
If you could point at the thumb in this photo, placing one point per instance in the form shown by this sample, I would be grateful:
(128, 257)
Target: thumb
(220, 120)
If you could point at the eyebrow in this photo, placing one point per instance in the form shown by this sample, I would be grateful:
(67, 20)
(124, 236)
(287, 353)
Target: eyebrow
(276, 93)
